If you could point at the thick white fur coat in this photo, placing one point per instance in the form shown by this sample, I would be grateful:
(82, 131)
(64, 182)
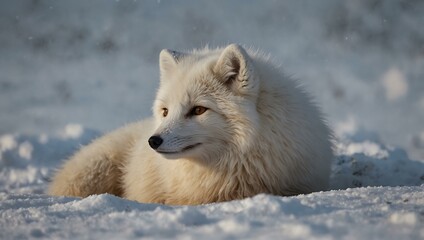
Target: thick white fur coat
(230, 125)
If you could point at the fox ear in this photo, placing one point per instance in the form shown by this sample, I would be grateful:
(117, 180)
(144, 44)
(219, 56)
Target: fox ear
(234, 67)
(168, 59)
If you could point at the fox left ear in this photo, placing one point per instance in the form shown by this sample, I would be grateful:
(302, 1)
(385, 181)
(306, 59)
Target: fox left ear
(234, 67)
(168, 59)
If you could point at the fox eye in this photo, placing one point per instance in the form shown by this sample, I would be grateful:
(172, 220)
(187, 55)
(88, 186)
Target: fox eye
(164, 112)
(198, 110)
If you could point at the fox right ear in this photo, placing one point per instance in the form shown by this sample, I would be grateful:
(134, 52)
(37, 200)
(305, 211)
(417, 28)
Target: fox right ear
(168, 59)
(234, 67)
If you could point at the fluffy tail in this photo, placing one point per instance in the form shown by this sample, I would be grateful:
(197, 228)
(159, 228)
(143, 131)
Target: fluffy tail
(96, 168)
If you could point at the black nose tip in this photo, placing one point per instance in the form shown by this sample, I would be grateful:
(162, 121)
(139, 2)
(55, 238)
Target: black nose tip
(155, 141)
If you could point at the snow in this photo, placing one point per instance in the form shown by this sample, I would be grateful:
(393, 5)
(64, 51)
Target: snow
(72, 70)
(366, 213)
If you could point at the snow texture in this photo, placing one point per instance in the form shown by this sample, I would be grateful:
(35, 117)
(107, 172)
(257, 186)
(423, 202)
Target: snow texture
(366, 213)
(68, 67)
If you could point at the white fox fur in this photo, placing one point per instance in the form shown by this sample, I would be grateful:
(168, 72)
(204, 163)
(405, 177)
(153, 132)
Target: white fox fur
(253, 131)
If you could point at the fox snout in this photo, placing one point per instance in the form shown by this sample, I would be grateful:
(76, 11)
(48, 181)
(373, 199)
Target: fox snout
(155, 141)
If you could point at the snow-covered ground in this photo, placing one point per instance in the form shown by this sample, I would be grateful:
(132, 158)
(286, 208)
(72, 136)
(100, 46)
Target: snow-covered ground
(367, 213)
(70, 70)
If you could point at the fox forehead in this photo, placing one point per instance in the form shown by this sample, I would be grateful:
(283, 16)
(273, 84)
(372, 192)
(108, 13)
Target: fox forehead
(189, 86)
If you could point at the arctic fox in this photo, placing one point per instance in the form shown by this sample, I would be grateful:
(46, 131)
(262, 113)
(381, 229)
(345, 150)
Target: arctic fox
(228, 124)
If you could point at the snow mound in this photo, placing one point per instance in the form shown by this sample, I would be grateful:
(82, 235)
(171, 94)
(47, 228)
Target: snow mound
(362, 213)
(27, 161)
(369, 163)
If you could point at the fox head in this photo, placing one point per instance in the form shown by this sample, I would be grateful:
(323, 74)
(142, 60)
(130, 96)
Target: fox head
(206, 104)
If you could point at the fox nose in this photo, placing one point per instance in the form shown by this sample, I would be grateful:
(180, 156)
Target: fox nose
(155, 141)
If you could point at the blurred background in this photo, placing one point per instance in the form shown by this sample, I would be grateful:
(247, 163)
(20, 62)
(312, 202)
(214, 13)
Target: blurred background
(95, 63)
